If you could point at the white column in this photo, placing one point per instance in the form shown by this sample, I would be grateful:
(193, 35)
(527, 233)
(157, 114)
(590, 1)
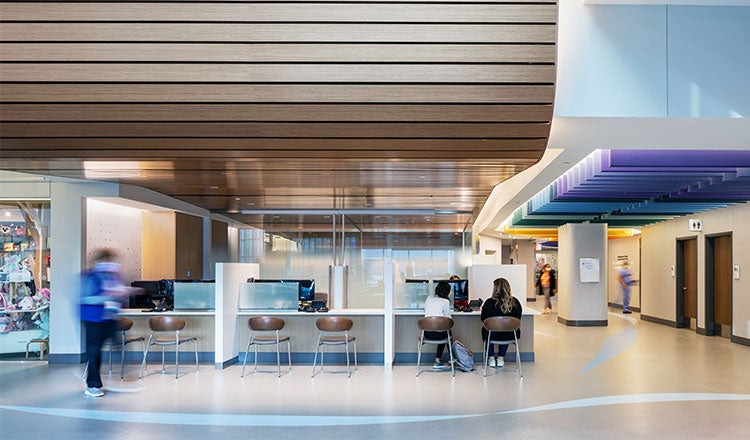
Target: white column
(389, 320)
(582, 294)
(339, 287)
(229, 276)
(68, 260)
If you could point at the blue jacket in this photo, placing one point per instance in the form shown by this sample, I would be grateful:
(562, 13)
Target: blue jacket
(97, 304)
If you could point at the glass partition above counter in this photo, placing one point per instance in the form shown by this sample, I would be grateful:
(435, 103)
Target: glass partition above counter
(194, 295)
(269, 295)
(411, 294)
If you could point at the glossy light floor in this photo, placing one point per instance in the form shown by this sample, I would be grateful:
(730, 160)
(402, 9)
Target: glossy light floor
(631, 379)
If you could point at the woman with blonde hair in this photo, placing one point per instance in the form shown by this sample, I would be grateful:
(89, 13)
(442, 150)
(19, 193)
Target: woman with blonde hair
(502, 303)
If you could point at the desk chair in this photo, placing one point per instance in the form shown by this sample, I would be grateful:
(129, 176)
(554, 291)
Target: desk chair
(43, 343)
(161, 324)
(334, 326)
(261, 325)
(502, 324)
(121, 340)
(435, 324)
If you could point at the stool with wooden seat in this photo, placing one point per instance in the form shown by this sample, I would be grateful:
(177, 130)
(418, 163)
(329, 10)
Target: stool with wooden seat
(502, 324)
(121, 340)
(163, 324)
(435, 324)
(43, 343)
(260, 327)
(334, 330)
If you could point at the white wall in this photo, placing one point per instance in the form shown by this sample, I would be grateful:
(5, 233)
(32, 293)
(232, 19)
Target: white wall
(652, 61)
(482, 277)
(119, 228)
(708, 61)
(611, 60)
(489, 243)
(658, 253)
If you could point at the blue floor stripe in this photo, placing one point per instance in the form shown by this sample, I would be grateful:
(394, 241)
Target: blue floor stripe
(315, 420)
(615, 344)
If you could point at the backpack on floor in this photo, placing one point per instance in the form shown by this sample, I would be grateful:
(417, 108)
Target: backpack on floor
(463, 356)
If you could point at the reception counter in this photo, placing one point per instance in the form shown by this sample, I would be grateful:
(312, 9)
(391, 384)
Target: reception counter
(466, 328)
(367, 328)
(199, 324)
(370, 328)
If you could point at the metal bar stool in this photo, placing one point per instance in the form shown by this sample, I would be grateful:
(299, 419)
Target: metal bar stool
(435, 324)
(331, 329)
(121, 340)
(266, 324)
(502, 324)
(168, 324)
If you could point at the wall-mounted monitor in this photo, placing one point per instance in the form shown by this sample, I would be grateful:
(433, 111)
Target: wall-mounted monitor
(151, 290)
(459, 291)
(306, 290)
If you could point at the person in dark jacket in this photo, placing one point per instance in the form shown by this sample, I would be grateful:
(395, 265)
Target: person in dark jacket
(502, 303)
(102, 291)
(547, 284)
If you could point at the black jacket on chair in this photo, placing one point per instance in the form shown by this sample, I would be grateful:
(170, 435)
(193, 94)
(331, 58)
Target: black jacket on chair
(489, 309)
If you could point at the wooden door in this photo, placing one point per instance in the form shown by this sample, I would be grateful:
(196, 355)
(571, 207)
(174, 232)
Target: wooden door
(690, 277)
(722, 279)
(189, 247)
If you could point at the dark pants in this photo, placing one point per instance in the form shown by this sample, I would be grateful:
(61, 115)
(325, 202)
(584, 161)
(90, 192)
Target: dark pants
(96, 334)
(501, 350)
(437, 335)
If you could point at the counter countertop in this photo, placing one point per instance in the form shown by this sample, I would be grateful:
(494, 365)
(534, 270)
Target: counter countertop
(339, 312)
(139, 312)
(280, 312)
(420, 312)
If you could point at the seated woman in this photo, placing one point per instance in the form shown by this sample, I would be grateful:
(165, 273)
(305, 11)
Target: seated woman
(502, 303)
(438, 305)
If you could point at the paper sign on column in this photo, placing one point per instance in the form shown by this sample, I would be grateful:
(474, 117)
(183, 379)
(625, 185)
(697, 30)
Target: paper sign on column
(589, 270)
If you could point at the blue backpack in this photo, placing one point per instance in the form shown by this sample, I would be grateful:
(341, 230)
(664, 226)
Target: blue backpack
(463, 356)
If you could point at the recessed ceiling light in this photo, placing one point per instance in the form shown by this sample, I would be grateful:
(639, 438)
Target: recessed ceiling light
(237, 198)
(422, 176)
(213, 187)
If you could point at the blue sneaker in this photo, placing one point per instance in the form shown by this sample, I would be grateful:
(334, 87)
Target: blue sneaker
(94, 392)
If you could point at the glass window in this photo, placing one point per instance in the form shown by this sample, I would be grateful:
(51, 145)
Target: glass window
(24, 273)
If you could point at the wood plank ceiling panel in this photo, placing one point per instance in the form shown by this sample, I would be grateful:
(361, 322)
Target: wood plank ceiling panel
(229, 105)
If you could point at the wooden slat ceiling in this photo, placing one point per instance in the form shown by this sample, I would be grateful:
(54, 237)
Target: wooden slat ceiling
(234, 105)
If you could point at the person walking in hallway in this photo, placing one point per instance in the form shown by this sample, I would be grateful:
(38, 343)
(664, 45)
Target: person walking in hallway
(102, 291)
(547, 284)
(625, 278)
